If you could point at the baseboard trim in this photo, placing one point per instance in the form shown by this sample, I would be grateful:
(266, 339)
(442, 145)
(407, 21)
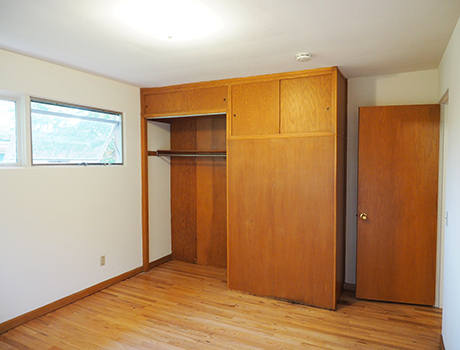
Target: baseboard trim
(160, 261)
(10, 324)
(349, 287)
(441, 343)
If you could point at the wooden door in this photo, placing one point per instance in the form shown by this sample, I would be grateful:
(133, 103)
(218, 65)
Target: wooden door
(397, 203)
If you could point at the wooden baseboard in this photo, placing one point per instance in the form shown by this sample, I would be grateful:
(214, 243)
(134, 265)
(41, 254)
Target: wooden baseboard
(10, 324)
(6, 326)
(160, 261)
(349, 287)
(441, 343)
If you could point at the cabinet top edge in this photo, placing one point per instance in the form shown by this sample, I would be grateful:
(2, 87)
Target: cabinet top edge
(433, 105)
(233, 81)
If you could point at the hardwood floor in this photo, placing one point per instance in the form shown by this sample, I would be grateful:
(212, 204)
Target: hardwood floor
(184, 306)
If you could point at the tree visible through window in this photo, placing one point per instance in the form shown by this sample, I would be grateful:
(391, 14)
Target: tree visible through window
(8, 121)
(65, 134)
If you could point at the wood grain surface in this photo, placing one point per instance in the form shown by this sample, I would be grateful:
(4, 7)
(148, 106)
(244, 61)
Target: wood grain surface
(340, 218)
(341, 100)
(211, 174)
(204, 99)
(281, 218)
(183, 192)
(255, 108)
(306, 105)
(184, 306)
(398, 190)
(198, 192)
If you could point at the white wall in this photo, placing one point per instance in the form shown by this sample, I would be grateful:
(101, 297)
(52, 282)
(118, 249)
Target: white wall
(397, 89)
(449, 79)
(56, 221)
(159, 192)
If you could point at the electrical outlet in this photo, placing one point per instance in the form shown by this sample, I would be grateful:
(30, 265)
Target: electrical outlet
(102, 260)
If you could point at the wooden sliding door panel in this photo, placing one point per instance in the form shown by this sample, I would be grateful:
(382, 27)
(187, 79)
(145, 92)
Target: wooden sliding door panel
(304, 220)
(211, 195)
(397, 189)
(306, 105)
(211, 213)
(183, 192)
(281, 228)
(251, 216)
(184, 213)
(255, 108)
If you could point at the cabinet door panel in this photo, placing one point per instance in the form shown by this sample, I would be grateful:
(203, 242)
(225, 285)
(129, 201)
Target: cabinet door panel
(281, 218)
(306, 105)
(255, 108)
(208, 99)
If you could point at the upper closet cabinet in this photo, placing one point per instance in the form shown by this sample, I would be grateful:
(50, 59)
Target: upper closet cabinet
(255, 108)
(186, 101)
(294, 103)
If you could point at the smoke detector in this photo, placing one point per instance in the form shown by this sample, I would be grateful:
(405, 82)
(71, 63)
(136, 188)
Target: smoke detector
(303, 57)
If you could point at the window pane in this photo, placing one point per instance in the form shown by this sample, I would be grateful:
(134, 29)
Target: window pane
(8, 154)
(71, 135)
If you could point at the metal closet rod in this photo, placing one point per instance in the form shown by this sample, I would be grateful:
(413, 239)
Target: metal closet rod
(188, 153)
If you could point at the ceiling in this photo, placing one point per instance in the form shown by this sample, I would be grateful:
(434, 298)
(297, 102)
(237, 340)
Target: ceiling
(362, 37)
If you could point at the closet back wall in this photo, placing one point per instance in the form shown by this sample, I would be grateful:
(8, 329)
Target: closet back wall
(198, 192)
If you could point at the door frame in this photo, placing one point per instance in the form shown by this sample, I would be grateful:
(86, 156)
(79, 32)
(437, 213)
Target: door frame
(442, 214)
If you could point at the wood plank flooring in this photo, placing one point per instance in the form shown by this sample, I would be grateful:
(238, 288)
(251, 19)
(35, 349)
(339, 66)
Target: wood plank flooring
(184, 306)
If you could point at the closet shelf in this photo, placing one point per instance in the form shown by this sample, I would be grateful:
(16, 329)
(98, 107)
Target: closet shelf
(188, 153)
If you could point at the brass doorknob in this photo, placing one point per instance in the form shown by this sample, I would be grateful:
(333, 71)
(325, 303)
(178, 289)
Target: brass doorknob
(363, 216)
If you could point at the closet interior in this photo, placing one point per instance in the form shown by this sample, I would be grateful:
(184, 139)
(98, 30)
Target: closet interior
(198, 188)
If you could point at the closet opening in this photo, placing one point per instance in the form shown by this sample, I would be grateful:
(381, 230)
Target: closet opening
(187, 175)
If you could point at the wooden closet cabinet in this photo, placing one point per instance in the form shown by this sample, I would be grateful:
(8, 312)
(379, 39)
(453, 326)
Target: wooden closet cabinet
(286, 193)
(285, 179)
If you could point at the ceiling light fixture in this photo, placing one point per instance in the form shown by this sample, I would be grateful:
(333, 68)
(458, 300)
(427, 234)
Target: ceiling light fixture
(170, 20)
(303, 57)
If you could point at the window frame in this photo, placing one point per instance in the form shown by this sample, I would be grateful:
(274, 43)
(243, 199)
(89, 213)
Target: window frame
(81, 107)
(20, 127)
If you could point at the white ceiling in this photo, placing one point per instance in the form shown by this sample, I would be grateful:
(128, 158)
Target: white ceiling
(362, 37)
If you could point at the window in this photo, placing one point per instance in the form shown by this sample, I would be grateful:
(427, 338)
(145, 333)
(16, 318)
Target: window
(8, 131)
(66, 134)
